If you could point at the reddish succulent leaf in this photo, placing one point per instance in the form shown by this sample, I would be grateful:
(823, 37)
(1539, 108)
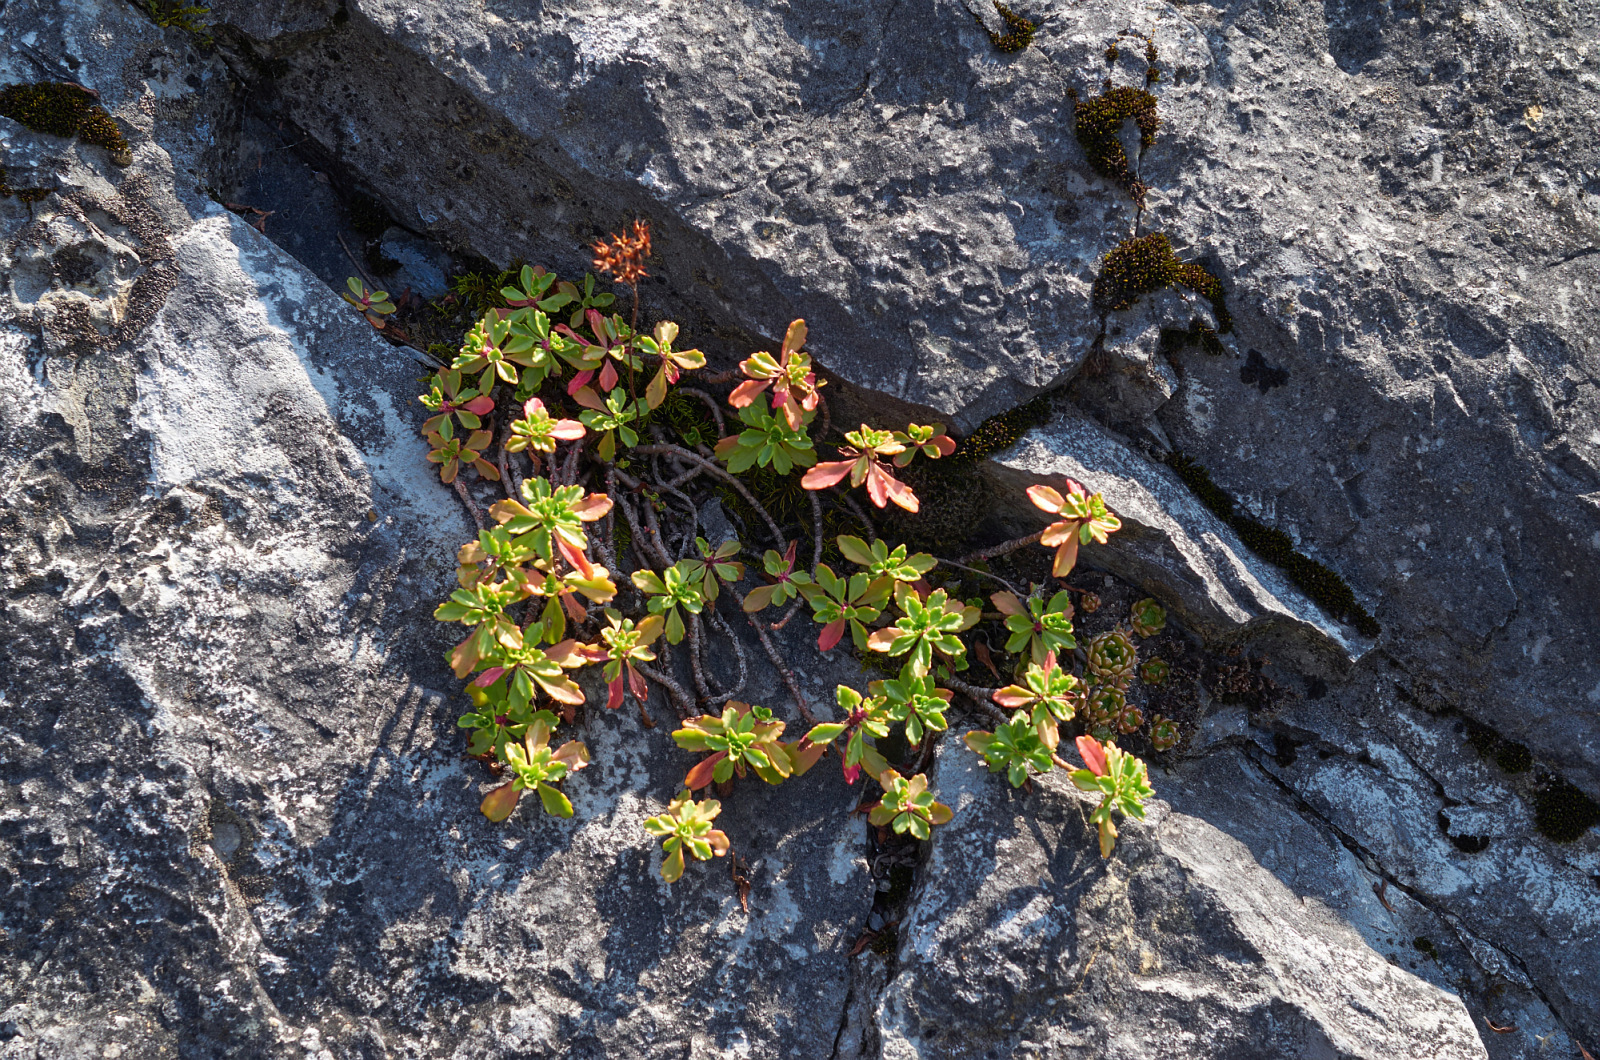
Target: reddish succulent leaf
(700, 775)
(499, 803)
(830, 635)
(614, 692)
(1094, 755)
(827, 474)
(489, 676)
(746, 392)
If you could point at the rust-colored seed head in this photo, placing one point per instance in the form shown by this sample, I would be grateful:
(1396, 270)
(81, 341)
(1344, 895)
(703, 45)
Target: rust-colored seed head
(624, 256)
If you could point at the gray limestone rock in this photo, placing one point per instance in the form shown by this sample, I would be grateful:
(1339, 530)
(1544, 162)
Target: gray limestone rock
(1021, 937)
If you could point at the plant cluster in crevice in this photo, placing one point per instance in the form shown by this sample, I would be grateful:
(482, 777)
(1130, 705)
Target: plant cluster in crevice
(608, 442)
(1018, 33)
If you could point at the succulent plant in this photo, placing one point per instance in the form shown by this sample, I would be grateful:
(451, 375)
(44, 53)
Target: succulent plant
(1088, 602)
(1084, 518)
(794, 385)
(714, 565)
(1130, 719)
(612, 419)
(839, 603)
(1163, 733)
(450, 452)
(374, 305)
(1037, 626)
(928, 626)
(1148, 618)
(766, 441)
(864, 462)
(534, 765)
(1112, 657)
(673, 362)
(864, 716)
(786, 581)
(1050, 695)
(1155, 671)
(672, 589)
(540, 431)
(883, 563)
(686, 826)
(908, 806)
(625, 645)
(1119, 778)
(742, 738)
(448, 399)
(1102, 708)
(1013, 748)
(914, 700)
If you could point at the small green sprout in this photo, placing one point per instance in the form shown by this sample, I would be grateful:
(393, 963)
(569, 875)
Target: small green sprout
(494, 723)
(931, 442)
(673, 589)
(611, 419)
(928, 626)
(1119, 778)
(532, 292)
(1148, 618)
(786, 585)
(374, 305)
(448, 399)
(907, 806)
(914, 700)
(839, 602)
(534, 765)
(864, 717)
(530, 667)
(540, 431)
(1037, 627)
(687, 826)
(496, 350)
(713, 567)
(743, 738)
(1048, 693)
(766, 441)
(1013, 748)
(450, 452)
(1085, 518)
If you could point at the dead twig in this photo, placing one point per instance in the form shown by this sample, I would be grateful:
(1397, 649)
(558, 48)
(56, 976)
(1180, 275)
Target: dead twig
(710, 403)
(681, 701)
(695, 458)
(1002, 549)
(859, 512)
(981, 574)
(980, 696)
(466, 498)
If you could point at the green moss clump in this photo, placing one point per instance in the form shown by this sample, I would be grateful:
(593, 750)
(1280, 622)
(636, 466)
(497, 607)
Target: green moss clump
(1019, 31)
(1147, 264)
(1562, 812)
(1314, 579)
(1098, 128)
(175, 14)
(1510, 756)
(65, 110)
(999, 433)
(1111, 54)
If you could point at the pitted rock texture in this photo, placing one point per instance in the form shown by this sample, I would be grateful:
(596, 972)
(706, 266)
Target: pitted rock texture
(234, 817)
(1400, 206)
(1021, 929)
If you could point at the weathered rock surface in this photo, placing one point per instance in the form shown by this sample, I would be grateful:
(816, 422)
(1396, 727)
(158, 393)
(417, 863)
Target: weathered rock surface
(1021, 937)
(1400, 205)
(234, 818)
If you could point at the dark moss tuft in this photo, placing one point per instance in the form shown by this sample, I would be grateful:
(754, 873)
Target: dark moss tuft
(1111, 54)
(1276, 547)
(1562, 812)
(1146, 264)
(1098, 129)
(175, 14)
(1019, 31)
(998, 433)
(65, 110)
(29, 195)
